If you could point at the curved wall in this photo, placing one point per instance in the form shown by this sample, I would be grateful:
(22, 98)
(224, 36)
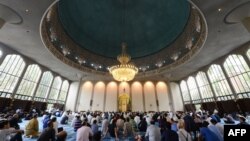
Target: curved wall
(103, 96)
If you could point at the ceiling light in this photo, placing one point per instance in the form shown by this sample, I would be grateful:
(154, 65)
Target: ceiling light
(125, 71)
(159, 64)
(81, 60)
(198, 24)
(1, 53)
(175, 56)
(65, 51)
(26, 10)
(189, 44)
(219, 9)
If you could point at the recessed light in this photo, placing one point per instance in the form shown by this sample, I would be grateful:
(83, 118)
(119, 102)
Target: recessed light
(219, 9)
(26, 10)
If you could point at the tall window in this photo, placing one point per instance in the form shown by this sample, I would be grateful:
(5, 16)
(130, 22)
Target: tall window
(239, 73)
(55, 89)
(219, 83)
(204, 87)
(10, 71)
(44, 86)
(185, 92)
(29, 82)
(193, 90)
(64, 91)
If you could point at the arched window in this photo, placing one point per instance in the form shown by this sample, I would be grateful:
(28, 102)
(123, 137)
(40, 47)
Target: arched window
(219, 83)
(10, 71)
(193, 90)
(44, 86)
(29, 82)
(185, 92)
(204, 87)
(63, 92)
(55, 89)
(239, 73)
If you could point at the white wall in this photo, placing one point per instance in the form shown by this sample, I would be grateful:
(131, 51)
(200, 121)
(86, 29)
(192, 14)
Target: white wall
(163, 96)
(149, 93)
(72, 95)
(105, 96)
(137, 97)
(83, 103)
(176, 95)
(111, 97)
(98, 98)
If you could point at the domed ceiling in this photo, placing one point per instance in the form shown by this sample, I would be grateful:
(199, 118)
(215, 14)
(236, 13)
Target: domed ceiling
(87, 34)
(145, 25)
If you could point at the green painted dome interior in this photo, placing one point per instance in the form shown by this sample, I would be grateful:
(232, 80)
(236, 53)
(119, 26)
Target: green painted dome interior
(100, 26)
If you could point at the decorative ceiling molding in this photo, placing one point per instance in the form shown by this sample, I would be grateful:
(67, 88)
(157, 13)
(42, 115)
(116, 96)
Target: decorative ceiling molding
(188, 44)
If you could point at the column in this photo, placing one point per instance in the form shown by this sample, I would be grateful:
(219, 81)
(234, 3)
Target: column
(105, 93)
(171, 97)
(156, 98)
(143, 96)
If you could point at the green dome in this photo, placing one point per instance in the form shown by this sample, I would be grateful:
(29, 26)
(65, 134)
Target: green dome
(100, 26)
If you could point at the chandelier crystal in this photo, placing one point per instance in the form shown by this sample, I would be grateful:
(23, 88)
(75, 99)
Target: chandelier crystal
(125, 71)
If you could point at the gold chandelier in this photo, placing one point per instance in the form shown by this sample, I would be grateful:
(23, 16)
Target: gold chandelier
(125, 71)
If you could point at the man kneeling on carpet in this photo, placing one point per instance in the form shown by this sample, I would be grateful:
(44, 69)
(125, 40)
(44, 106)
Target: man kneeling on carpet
(32, 128)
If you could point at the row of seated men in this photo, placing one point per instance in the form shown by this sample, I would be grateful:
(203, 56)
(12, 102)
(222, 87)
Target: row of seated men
(155, 126)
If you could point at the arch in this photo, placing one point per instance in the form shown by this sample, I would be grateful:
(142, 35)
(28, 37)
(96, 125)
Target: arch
(163, 96)
(238, 72)
(111, 96)
(137, 96)
(150, 99)
(124, 88)
(11, 69)
(85, 96)
(99, 91)
(219, 83)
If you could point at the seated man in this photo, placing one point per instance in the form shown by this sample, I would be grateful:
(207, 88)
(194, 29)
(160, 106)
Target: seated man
(31, 129)
(7, 133)
(61, 136)
(48, 133)
(65, 118)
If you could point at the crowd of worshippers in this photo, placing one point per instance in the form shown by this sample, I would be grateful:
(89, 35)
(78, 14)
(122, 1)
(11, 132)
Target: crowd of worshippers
(138, 126)
(10, 129)
(152, 126)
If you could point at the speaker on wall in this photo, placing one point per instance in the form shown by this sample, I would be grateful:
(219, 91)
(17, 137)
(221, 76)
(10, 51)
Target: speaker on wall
(157, 102)
(91, 102)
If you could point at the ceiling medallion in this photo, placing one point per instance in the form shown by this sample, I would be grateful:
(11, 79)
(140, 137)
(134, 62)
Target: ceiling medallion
(125, 71)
